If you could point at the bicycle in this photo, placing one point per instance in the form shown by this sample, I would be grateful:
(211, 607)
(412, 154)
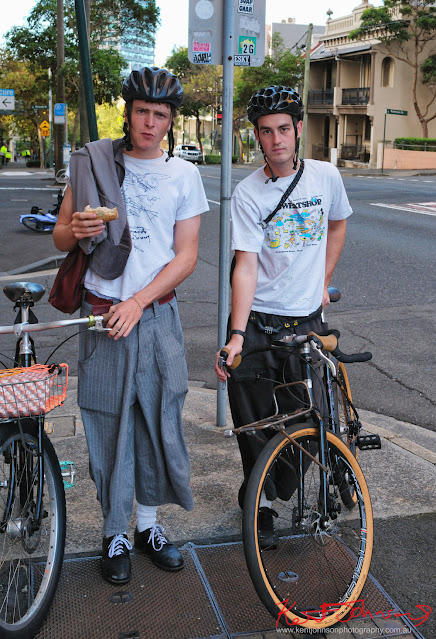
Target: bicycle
(42, 222)
(315, 567)
(32, 497)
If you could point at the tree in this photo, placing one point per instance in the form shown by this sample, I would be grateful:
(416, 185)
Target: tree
(31, 88)
(35, 44)
(202, 86)
(406, 30)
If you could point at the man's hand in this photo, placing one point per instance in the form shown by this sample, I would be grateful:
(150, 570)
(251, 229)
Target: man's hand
(84, 224)
(235, 348)
(325, 297)
(123, 317)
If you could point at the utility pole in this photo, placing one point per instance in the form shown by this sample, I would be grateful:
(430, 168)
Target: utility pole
(85, 61)
(84, 129)
(60, 83)
(226, 192)
(306, 89)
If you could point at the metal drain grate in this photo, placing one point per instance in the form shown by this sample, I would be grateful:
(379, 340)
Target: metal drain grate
(212, 597)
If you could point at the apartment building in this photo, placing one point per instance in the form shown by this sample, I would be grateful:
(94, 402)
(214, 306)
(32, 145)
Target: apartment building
(353, 85)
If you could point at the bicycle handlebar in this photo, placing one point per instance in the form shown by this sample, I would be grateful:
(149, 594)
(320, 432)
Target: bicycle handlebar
(24, 327)
(327, 342)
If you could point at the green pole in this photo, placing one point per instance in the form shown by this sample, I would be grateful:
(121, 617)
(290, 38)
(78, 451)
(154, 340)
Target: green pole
(384, 140)
(85, 60)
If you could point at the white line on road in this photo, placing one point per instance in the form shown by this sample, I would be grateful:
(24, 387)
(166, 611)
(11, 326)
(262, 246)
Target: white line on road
(213, 202)
(405, 208)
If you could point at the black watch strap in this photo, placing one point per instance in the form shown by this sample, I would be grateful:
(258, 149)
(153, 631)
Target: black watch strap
(235, 331)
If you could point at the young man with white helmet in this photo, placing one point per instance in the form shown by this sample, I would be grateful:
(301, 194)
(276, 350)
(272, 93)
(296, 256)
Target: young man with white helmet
(283, 266)
(132, 386)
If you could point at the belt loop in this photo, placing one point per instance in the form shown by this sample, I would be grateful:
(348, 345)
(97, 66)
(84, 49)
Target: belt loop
(156, 308)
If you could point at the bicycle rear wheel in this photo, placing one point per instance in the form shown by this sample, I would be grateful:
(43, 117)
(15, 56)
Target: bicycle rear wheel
(31, 552)
(317, 568)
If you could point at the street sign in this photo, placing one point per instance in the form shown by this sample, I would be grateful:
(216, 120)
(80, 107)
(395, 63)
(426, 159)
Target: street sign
(205, 32)
(7, 99)
(396, 112)
(45, 129)
(59, 113)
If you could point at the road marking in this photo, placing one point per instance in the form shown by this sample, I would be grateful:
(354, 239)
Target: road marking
(18, 200)
(213, 202)
(425, 208)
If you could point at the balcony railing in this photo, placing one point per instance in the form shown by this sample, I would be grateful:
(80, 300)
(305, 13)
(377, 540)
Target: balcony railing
(355, 96)
(320, 96)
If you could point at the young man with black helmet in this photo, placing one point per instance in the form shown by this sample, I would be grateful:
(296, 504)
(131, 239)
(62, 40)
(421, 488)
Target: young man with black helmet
(283, 266)
(132, 386)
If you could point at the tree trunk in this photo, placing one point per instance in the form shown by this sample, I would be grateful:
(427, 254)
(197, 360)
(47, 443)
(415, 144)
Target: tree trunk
(237, 132)
(198, 129)
(75, 130)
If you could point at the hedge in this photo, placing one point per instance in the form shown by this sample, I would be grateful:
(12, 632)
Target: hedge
(216, 159)
(415, 144)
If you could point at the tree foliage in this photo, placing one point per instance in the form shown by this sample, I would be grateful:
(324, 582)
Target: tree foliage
(35, 45)
(406, 30)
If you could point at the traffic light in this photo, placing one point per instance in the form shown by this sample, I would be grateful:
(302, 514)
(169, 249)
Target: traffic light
(219, 117)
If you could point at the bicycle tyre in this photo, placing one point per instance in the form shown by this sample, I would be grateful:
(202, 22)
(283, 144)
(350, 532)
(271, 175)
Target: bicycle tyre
(317, 569)
(38, 226)
(30, 559)
(345, 416)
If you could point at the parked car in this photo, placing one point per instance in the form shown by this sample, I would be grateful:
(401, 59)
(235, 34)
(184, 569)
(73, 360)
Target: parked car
(189, 152)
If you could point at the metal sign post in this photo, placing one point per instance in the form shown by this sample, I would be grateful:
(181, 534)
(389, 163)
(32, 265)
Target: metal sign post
(389, 112)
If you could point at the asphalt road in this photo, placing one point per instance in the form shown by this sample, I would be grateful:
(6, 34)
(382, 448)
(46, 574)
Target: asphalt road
(386, 274)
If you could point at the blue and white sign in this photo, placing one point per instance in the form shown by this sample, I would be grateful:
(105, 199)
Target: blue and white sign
(59, 113)
(7, 99)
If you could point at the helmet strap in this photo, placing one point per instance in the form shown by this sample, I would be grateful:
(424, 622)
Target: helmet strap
(127, 139)
(170, 143)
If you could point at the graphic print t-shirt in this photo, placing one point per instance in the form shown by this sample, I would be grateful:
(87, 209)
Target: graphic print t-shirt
(292, 249)
(156, 194)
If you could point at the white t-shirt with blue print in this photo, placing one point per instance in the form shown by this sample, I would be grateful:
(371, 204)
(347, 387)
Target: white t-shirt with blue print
(156, 194)
(292, 249)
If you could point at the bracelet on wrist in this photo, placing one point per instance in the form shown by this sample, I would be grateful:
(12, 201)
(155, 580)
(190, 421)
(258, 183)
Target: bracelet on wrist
(134, 298)
(235, 331)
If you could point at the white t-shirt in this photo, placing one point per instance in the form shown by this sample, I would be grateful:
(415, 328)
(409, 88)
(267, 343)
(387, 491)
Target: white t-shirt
(292, 249)
(156, 194)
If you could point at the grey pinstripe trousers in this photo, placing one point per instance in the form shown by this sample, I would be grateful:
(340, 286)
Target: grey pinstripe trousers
(131, 394)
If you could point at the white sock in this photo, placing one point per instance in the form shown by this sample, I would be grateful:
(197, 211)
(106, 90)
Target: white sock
(146, 516)
(264, 502)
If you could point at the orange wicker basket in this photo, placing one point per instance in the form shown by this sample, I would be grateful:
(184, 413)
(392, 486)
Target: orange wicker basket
(32, 391)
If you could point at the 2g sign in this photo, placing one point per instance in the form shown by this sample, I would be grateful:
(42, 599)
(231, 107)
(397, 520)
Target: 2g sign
(247, 45)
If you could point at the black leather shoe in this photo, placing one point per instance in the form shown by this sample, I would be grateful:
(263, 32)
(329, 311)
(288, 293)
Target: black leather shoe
(115, 562)
(267, 535)
(162, 553)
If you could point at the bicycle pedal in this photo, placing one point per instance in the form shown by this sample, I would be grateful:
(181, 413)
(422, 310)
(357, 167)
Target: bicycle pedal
(68, 472)
(368, 442)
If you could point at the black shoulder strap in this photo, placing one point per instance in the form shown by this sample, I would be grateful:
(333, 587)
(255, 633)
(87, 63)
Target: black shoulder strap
(285, 196)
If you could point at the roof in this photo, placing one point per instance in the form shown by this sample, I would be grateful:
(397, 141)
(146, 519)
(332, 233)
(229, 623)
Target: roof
(333, 52)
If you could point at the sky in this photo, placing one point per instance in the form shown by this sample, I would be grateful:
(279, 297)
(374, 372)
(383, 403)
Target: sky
(174, 18)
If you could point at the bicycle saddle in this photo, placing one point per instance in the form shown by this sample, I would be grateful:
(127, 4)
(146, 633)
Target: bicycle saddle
(14, 291)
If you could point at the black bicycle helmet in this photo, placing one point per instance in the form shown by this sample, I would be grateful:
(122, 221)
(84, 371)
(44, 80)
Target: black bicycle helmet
(275, 99)
(153, 84)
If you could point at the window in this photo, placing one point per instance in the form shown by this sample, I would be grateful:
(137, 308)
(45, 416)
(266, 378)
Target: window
(387, 72)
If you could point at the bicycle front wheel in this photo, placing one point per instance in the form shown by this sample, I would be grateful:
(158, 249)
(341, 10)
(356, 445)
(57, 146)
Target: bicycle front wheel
(31, 548)
(34, 224)
(317, 565)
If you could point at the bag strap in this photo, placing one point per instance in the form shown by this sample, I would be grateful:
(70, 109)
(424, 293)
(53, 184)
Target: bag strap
(285, 196)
